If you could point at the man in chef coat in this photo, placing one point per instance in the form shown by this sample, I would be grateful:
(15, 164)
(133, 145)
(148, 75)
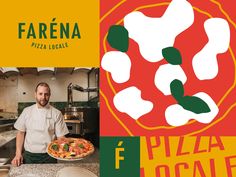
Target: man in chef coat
(37, 126)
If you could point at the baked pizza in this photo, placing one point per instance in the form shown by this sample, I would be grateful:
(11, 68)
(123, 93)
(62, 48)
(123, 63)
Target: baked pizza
(70, 148)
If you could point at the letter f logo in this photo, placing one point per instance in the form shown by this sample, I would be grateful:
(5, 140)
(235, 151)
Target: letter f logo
(117, 155)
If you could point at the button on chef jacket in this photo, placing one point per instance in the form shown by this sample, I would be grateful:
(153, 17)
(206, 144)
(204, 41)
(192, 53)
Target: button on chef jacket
(42, 125)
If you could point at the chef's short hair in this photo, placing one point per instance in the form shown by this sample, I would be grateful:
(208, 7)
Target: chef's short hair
(44, 84)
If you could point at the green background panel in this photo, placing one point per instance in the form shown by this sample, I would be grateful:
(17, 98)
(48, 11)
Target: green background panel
(130, 166)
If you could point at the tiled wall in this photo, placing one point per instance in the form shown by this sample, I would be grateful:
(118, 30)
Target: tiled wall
(61, 105)
(19, 89)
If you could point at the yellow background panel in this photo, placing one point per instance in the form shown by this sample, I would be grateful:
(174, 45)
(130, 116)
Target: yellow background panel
(200, 156)
(80, 52)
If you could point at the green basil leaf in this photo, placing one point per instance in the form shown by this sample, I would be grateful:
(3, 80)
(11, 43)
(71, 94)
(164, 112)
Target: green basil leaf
(81, 146)
(194, 104)
(66, 147)
(172, 55)
(55, 147)
(177, 89)
(118, 38)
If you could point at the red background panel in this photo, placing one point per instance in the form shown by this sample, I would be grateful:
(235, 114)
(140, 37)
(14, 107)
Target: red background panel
(142, 74)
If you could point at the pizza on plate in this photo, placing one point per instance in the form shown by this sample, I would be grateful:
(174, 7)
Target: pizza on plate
(70, 148)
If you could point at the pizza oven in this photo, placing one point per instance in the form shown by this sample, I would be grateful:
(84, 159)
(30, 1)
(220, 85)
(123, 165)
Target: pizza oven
(82, 120)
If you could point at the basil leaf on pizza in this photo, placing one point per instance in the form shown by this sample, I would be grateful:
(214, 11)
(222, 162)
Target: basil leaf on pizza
(172, 55)
(55, 147)
(118, 38)
(66, 147)
(81, 145)
(177, 89)
(194, 104)
(190, 103)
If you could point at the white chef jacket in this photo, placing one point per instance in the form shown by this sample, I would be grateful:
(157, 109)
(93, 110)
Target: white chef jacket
(42, 125)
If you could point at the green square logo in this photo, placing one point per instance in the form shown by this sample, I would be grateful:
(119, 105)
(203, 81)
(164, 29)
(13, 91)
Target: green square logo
(119, 156)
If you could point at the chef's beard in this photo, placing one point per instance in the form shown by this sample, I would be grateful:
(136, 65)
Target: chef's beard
(42, 103)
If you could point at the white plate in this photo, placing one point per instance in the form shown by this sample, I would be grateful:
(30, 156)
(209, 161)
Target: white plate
(28, 175)
(74, 172)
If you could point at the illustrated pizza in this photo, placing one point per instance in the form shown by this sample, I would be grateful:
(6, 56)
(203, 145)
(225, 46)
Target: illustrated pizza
(70, 148)
(167, 68)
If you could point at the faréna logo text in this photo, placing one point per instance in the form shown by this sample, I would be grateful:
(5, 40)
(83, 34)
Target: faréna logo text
(41, 33)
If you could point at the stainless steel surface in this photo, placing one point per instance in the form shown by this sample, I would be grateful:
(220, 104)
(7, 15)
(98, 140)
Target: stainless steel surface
(93, 81)
(83, 114)
(6, 124)
(75, 127)
(3, 161)
(88, 119)
(73, 109)
(73, 113)
(72, 87)
(77, 114)
(6, 127)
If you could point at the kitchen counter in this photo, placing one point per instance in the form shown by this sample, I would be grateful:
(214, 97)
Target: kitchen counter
(7, 136)
(90, 163)
(50, 170)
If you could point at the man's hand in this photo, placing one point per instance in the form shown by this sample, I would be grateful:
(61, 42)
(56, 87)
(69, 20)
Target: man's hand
(18, 160)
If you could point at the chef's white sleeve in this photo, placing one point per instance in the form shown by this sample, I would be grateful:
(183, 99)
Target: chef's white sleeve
(20, 123)
(60, 126)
